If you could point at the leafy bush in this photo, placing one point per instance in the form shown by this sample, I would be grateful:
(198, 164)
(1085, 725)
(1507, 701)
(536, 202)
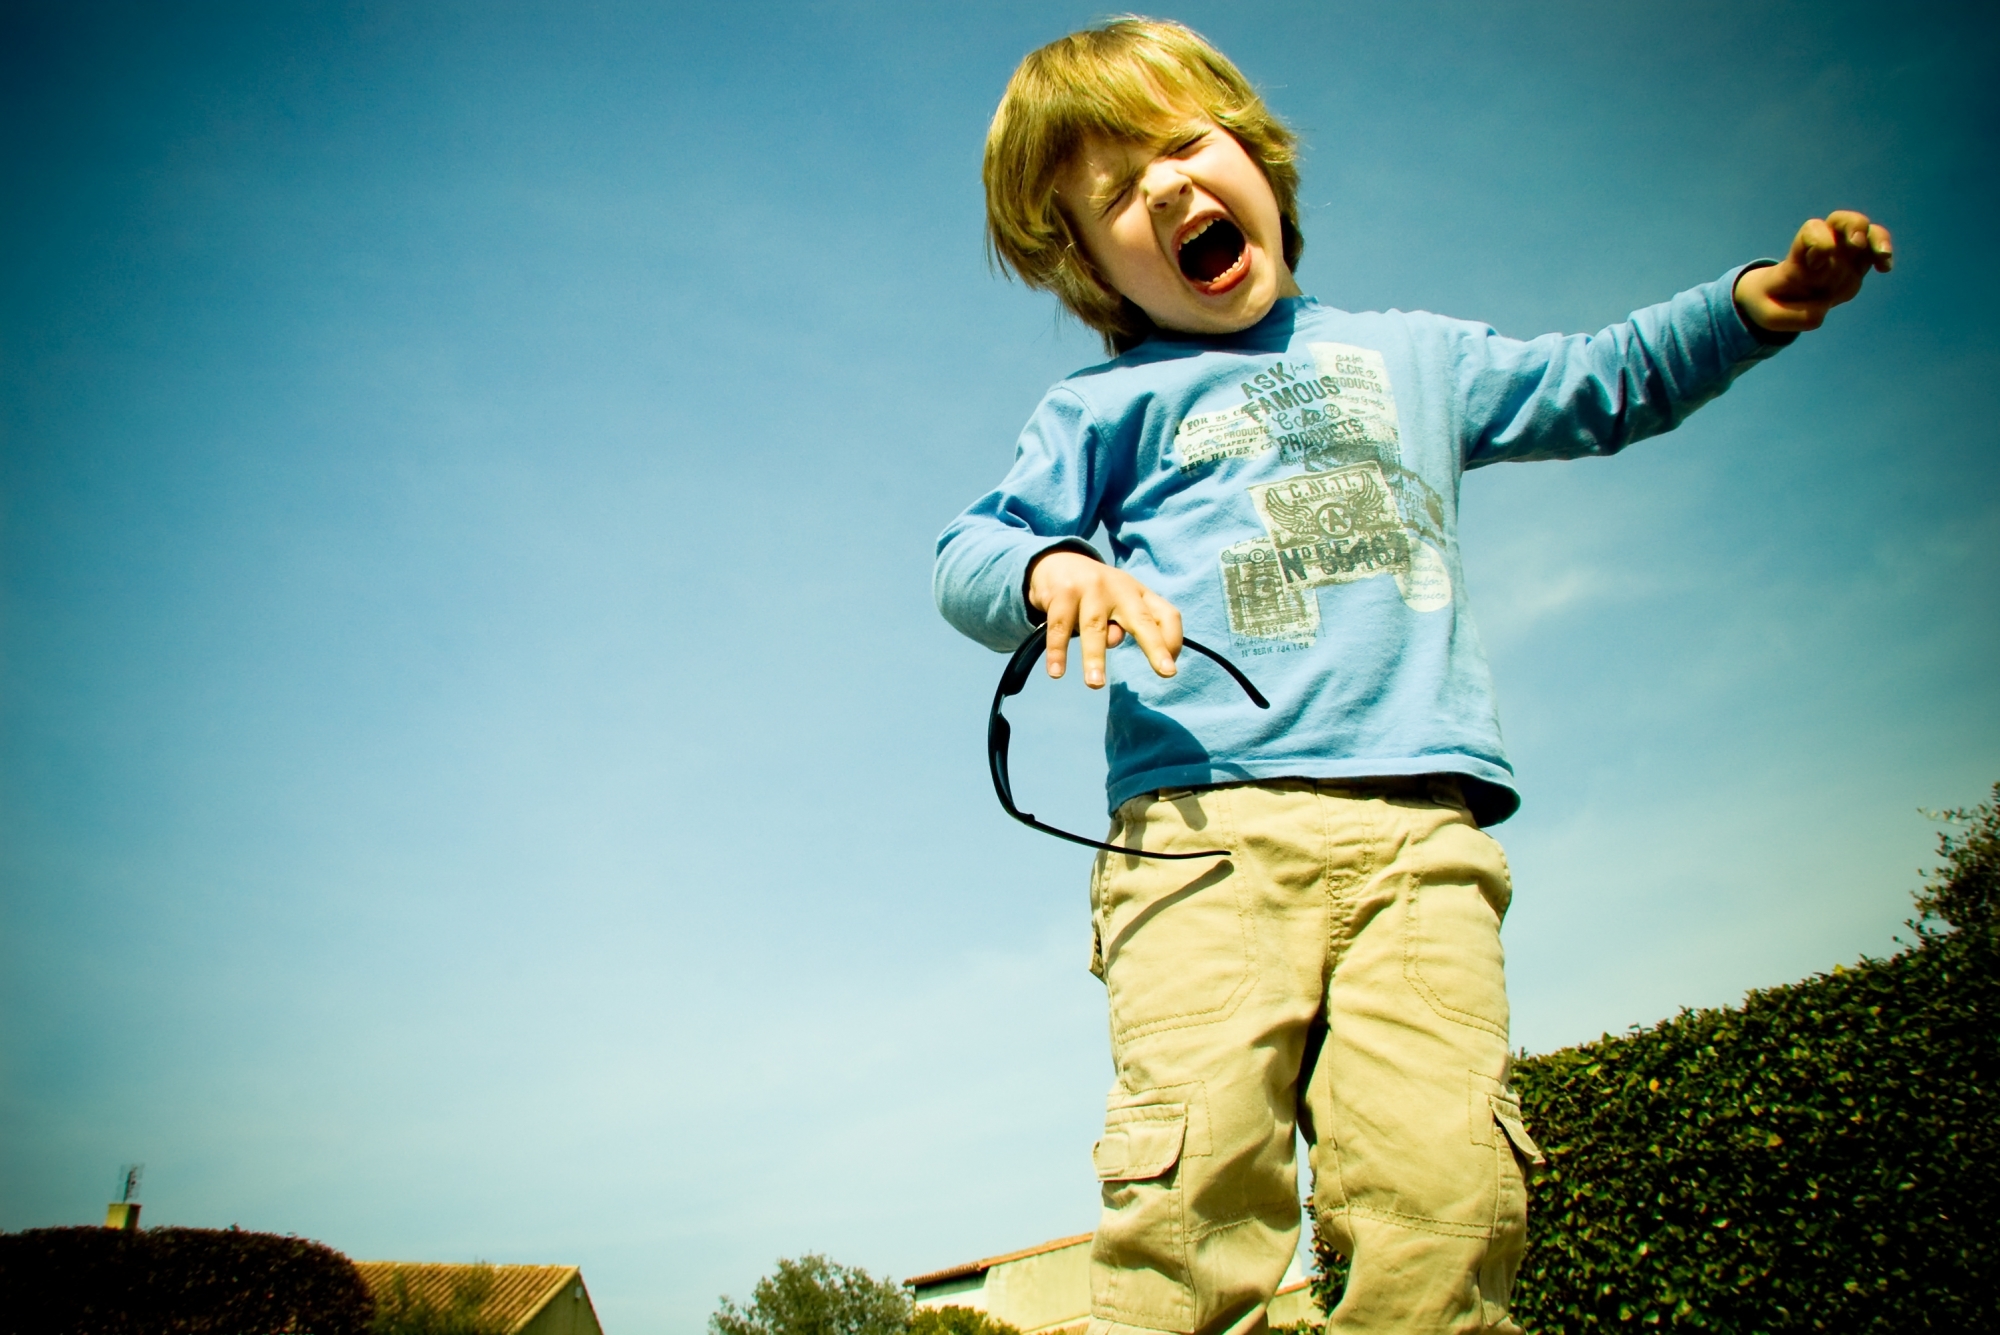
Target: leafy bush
(813, 1296)
(1822, 1158)
(398, 1311)
(177, 1281)
(957, 1321)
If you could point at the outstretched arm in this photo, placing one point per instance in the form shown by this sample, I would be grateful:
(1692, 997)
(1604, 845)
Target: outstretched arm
(1828, 259)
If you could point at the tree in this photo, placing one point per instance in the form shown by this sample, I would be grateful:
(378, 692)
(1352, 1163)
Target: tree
(813, 1296)
(1965, 892)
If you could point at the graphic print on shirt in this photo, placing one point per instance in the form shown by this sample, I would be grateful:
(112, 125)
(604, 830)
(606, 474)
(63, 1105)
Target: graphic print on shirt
(1369, 400)
(1356, 423)
(1337, 410)
(1354, 513)
(1333, 528)
(1230, 434)
(1262, 607)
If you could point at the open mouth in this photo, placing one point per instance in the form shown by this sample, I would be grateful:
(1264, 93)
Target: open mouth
(1213, 251)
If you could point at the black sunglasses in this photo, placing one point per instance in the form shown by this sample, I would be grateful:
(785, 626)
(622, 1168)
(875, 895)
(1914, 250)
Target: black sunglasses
(998, 733)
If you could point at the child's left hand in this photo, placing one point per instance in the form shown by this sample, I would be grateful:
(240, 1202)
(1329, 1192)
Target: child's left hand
(1829, 258)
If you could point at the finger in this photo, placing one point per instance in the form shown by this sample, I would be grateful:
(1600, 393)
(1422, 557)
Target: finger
(1852, 233)
(1882, 246)
(1169, 618)
(1811, 262)
(1815, 239)
(1850, 226)
(1114, 635)
(1133, 618)
(1156, 625)
(1092, 623)
(1823, 250)
(1061, 625)
(1153, 643)
(1862, 245)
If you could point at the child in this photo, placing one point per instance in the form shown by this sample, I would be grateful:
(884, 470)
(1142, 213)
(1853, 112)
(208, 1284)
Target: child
(1285, 476)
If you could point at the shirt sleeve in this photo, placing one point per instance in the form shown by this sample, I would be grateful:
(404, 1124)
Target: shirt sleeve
(1567, 396)
(1048, 499)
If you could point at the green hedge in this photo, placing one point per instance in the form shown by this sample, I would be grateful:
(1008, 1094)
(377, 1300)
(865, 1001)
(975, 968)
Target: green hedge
(1825, 1157)
(175, 1281)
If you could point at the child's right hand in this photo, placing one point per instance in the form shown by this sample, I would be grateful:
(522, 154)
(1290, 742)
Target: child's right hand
(1103, 604)
(1828, 259)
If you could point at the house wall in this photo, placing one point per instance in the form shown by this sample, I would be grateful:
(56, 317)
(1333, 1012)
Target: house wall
(967, 1292)
(1040, 1293)
(568, 1313)
(1294, 1304)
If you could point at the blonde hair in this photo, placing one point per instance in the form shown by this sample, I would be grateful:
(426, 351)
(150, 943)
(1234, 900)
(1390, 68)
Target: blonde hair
(1135, 79)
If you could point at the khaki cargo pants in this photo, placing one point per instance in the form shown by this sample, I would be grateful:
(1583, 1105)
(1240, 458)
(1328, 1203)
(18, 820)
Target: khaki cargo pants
(1340, 973)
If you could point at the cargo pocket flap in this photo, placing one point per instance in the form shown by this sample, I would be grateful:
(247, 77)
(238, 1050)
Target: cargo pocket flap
(1142, 1147)
(1508, 1114)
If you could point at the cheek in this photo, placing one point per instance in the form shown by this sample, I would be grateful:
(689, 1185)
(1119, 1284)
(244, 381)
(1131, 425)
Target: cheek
(1132, 250)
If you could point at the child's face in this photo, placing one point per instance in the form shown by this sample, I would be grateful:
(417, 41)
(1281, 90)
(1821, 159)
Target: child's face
(1189, 233)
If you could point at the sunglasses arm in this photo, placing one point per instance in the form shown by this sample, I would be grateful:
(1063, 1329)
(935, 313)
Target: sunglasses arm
(998, 734)
(1032, 823)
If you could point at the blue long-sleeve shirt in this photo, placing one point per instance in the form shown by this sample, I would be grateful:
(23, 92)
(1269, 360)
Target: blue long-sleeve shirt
(1293, 489)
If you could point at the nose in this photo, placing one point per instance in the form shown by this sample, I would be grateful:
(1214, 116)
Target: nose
(1164, 185)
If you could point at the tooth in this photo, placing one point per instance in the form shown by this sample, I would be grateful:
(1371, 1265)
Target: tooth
(1203, 226)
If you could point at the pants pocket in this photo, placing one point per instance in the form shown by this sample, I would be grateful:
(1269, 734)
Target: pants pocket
(1451, 949)
(1507, 1112)
(1173, 941)
(1139, 1271)
(1495, 1117)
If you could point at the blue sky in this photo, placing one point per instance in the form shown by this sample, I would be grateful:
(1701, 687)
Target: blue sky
(480, 774)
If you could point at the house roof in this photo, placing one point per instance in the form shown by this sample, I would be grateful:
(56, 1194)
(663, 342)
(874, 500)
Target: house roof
(971, 1268)
(516, 1294)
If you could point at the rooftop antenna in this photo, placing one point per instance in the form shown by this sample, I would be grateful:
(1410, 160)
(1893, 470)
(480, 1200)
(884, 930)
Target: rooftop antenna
(123, 1213)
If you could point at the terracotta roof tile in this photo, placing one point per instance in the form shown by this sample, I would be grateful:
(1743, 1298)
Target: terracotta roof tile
(972, 1268)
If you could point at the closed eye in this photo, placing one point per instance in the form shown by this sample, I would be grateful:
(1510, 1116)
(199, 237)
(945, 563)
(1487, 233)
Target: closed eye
(1116, 195)
(1123, 186)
